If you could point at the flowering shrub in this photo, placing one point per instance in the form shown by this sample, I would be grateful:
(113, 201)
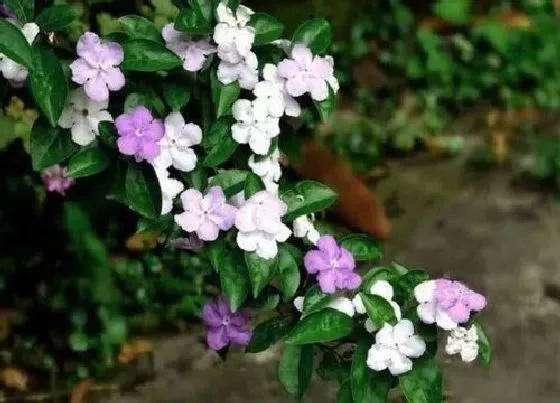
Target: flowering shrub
(189, 128)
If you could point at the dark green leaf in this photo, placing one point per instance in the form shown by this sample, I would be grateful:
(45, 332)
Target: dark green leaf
(23, 9)
(267, 28)
(332, 368)
(378, 309)
(146, 55)
(253, 184)
(14, 45)
(49, 146)
(176, 95)
(222, 151)
(295, 369)
(108, 134)
(307, 197)
(88, 161)
(48, 85)
(405, 284)
(315, 300)
(143, 191)
(56, 18)
(117, 331)
(361, 247)
(204, 7)
(79, 342)
(193, 22)
(423, 384)
(231, 181)
(260, 271)
(326, 107)
(198, 178)
(224, 96)
(269, 333)
(137, 27)
(316, 34)
(321, 327)
(158, 225)
(288, 271)
(145, 97)
(215, 253)
(484, 347)
(367, 386)
(234, 281)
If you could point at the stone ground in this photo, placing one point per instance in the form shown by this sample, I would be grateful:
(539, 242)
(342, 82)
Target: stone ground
(475, 227)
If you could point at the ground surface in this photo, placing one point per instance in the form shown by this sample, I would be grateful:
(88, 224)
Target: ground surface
(475, 227)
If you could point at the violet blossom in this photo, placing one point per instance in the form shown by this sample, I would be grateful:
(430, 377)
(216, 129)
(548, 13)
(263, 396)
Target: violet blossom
(224, 326)
(193, 53)
(56, 179)
(139, 133)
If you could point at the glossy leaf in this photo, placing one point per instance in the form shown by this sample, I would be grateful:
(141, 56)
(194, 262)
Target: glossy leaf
(316, 34)
(423, 384)
(23, 9)
(362, 247)
(137, 27)
(260, 271)
(288, 272)
(231, 181)
(88, 161)
(295, 369)
(269, 333)
(367, 386)
(234, 281)
(143, 190)
(484, 347)
(224, 96)
(307, 197)
(148, 56)
(321, 327)
(378, 309)
(327, 107)
(176, 95)
(49, 146)
(56, 18)
(192, 21)
(267, 28)
(253, 184)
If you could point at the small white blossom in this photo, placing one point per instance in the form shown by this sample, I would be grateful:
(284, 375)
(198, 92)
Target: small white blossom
(176, 145)
(341, 304)
(304, 228)
(232, 34)
(244, 71)
(274, 88)
(260, 225)
(255, 126)
(383, 289)
(15, 73)
(393, 347)
(268, 169)
(170, 188)
(82, 115)
(464, 342)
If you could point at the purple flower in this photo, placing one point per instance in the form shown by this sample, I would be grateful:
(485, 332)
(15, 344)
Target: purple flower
(139, 134)
(224, 326)
(333, 265)
(95, 69)
(306, 73)
(206, 215)
(193, 53)
(447, 302)
(56, 179)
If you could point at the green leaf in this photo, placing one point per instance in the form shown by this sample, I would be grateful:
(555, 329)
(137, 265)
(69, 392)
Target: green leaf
(367, 386)
(344, 394)
(326, 107)
(137, 27)
(23, 9)
(145, 97)
(143, 191)
(193, 22)
(222, 150)
(269, 333)
(295, 369)
(56, 18)
(79, 342)
(253, 184)
(87, 162)
(423, 384)
(49, 146)
(176, 94)
(117, 331)
(224, 96)
(204, 7)
(267, 28)
(361, 247)
(332, 368)
(108, 133)
(198, 178)
(234, 281)
(48, 85)
(231, 181)
(288, 271)
(148, 56)
(484, 347)
(316, 34)
(405, 284)
(456, 11)
(321, 327)
(260, 271)
(14, 45)
(378, 309)
(158, 225)
(315, 300)
(307, 197)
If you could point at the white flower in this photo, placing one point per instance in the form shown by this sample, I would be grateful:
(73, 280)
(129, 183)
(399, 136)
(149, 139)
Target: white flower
(393, 347)
(82, 115)
(298, 303)
(170, 188)
(244, 71)
(260, 226)
(341, 304)
(272, 88)
(464, 342)
(255, 127)
(428, 310)
(383, 289)
(273, 96)
(176, 145)
(15, 73)
(232, 34)
(333, 82)
(268, 169)
(304, 228)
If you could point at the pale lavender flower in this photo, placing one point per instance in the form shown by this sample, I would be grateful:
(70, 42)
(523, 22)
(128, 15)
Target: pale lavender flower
(139, 134)
(96, 68)
(206, 214)
(224, 326)
(193, 53)
(56, 179)
(333, 265)
(306, 73)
